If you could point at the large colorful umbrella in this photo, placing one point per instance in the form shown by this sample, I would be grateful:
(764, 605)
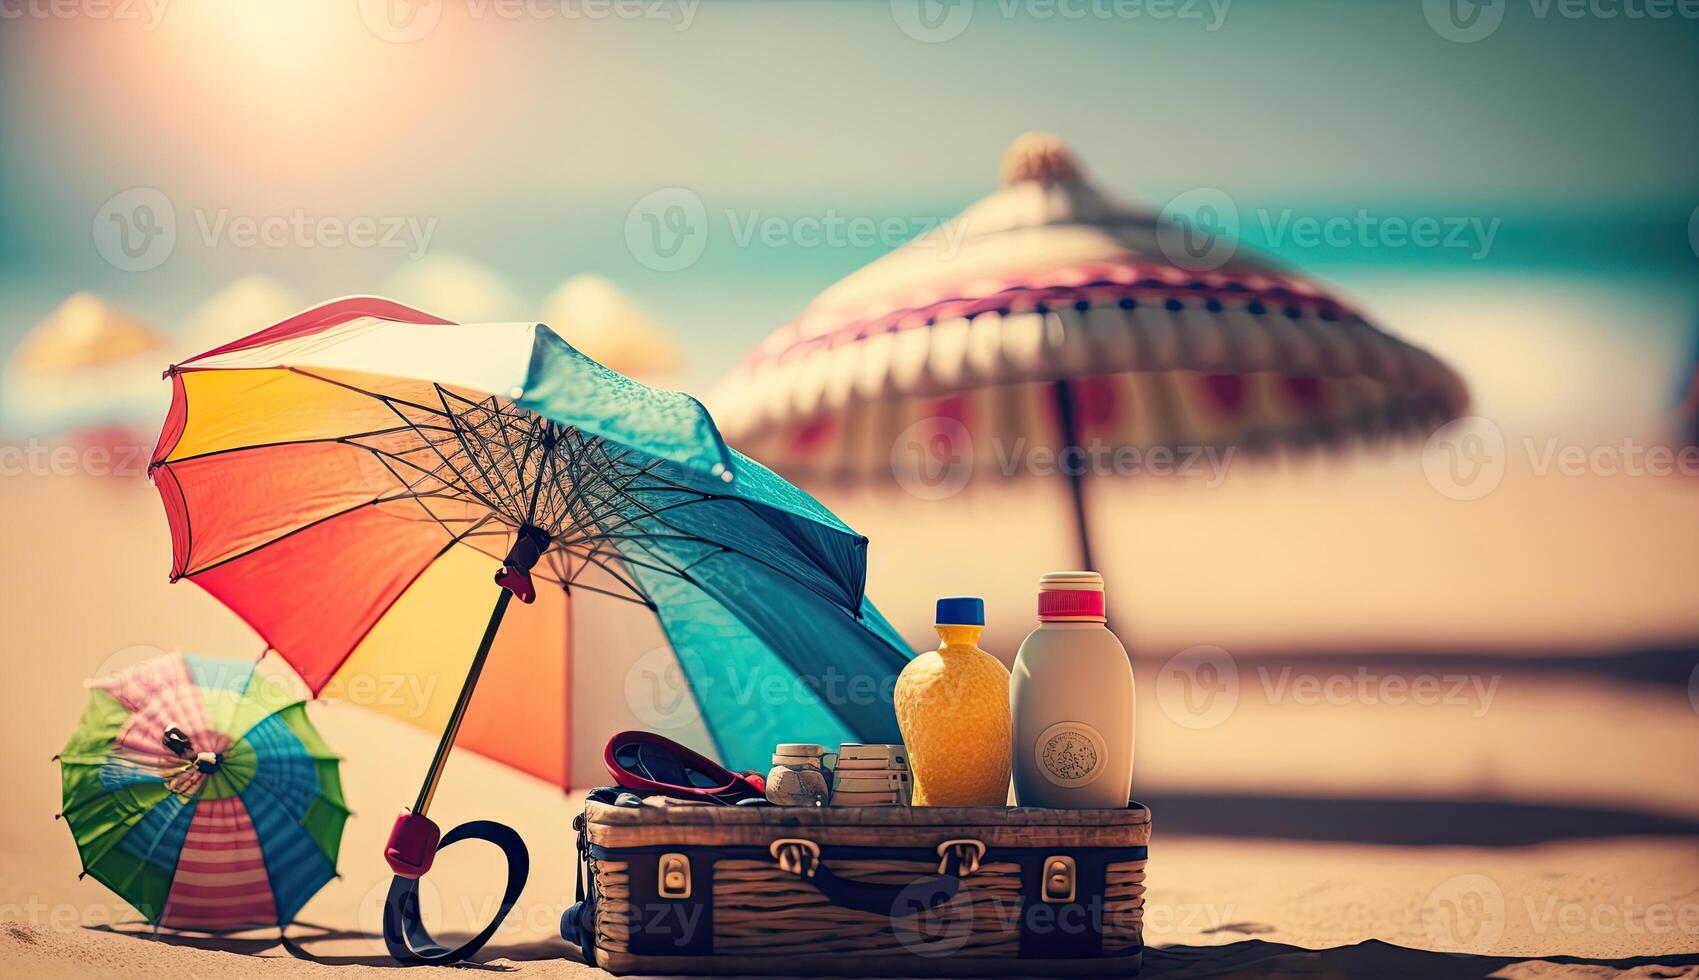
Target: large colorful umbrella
(351, 479)
(1048, 314)
(197, 790)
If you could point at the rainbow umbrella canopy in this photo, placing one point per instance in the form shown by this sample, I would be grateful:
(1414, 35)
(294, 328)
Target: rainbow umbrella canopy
(1050, 315)
(198, 791)
(350, 481)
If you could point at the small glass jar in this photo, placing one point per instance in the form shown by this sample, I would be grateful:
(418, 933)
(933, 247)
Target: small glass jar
(799, 776)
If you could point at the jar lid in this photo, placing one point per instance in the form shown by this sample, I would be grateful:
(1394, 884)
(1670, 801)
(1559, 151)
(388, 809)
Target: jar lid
(960, 610)
(1066, 596)
(1071, 581)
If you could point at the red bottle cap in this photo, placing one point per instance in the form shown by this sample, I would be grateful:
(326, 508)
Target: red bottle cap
(1070, 596)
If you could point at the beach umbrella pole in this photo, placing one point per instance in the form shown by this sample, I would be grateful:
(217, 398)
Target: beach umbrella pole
(440, 759)
(415, 838)
(1064, 392)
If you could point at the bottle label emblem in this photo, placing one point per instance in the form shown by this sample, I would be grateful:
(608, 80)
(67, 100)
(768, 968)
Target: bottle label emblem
(1070, 753)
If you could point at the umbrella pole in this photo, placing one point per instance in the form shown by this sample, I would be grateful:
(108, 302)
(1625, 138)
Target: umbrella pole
(1064, 393)
(429, 789)
(529, 543)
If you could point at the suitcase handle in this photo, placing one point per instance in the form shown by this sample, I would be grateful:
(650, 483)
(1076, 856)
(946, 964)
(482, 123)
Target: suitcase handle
(957, 859)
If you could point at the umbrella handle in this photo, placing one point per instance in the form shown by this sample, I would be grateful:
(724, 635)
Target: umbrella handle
(410, 944)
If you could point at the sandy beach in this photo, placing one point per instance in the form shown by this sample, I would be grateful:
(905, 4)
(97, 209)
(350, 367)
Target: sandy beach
(1546, 829)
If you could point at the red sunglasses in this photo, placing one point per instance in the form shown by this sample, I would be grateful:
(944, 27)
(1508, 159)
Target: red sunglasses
(646, 763)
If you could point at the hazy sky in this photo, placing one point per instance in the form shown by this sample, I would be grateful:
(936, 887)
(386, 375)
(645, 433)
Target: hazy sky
(522, 134)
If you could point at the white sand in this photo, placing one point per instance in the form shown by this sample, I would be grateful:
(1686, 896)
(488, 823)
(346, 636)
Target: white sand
(83, 578)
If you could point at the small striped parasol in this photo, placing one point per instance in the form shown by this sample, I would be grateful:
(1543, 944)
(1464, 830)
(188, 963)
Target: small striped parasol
(1050, 313)
(197, 790)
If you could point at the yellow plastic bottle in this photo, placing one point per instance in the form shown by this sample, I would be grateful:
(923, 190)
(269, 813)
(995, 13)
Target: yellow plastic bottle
(953, 707)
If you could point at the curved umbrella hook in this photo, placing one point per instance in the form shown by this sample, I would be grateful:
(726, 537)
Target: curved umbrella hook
(413, 842)
(404, 932)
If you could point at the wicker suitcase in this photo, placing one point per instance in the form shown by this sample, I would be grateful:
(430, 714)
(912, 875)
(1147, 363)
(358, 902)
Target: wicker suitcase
(860, 891)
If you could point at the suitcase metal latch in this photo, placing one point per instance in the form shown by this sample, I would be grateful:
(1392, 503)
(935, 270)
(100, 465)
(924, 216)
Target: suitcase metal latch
(968, 855)
(796, 855)
(672, 881)
(1060, 880)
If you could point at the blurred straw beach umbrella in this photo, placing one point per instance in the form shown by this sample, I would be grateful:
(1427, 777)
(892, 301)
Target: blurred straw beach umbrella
(87, 371)
(593, 315)
(1048, 314)
(234, 308)
(456, 286)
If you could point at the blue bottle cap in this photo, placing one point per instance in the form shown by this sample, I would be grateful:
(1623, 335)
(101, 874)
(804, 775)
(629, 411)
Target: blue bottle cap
(960, 610)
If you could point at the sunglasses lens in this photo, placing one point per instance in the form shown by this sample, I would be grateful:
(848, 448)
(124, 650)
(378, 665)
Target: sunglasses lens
(626, 755)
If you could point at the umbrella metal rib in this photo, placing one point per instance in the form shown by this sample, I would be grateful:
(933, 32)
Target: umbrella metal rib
(529, 473)
(492, 474)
